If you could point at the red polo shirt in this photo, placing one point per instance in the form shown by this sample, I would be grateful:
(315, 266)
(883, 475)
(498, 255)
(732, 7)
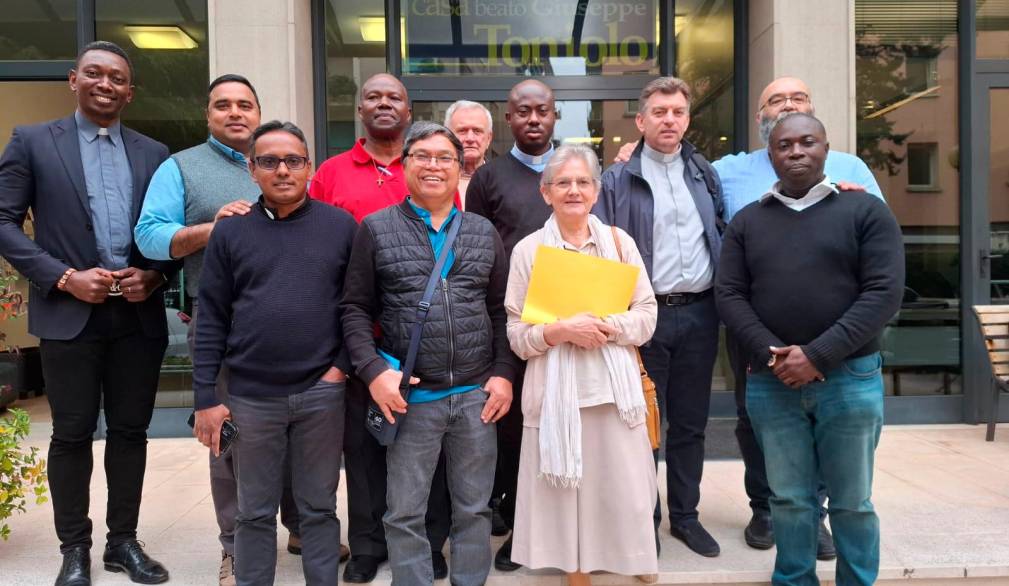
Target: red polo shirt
(351, 181)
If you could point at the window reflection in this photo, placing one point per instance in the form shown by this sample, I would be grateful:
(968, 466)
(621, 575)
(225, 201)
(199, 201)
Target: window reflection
(38, 29)
(906, 86)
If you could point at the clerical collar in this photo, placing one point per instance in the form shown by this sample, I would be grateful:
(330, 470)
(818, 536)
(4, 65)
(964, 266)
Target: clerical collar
(532, 159)
(660, 157)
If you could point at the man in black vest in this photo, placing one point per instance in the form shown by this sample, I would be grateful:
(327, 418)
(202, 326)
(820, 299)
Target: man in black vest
(95, 301)
(506, 191)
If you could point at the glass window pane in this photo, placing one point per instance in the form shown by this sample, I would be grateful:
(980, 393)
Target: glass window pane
(352, 56)
(38, 29)
(704, 59)
(906, 88)
(992, 29)
(167, 42)
(529, 37)
(998, 195)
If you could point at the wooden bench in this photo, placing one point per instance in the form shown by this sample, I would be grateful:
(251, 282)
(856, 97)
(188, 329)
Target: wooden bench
(993, 321)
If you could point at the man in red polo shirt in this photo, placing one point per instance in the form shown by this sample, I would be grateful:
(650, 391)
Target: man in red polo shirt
(369, 177)
(365, 179)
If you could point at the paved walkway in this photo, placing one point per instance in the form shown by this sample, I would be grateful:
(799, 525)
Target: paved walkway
(942, 493)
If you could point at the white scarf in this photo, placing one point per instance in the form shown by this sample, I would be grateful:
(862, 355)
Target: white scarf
(560, 420)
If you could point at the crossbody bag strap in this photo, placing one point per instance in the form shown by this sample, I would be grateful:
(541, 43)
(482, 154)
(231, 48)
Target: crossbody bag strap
(425, 305)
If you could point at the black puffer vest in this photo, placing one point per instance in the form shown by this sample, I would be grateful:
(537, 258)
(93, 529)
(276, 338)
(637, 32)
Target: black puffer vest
(456, 345)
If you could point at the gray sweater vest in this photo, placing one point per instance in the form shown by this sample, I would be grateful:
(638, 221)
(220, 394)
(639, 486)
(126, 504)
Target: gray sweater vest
(211, 180)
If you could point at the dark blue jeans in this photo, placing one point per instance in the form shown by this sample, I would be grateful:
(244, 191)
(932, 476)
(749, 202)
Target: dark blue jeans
(680, 359)
(831, 428)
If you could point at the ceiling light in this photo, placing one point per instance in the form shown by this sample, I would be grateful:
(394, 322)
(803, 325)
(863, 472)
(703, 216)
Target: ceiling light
(372, 28)
(160, 37)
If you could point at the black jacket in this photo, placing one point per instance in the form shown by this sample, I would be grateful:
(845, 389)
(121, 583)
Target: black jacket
(464, 339)
(41, 169)
(625, 200)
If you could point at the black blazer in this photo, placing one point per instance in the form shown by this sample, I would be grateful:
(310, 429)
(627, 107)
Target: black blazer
(41, 169)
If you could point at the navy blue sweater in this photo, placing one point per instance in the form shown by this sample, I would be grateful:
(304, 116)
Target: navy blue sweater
(827, 278)
(269, 296)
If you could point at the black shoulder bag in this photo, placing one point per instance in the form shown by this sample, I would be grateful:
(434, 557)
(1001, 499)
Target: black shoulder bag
(378, 426)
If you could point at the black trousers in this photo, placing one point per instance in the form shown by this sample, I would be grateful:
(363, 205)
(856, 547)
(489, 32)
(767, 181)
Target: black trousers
(680, 358)
(755, 475)
(509, 447)
(111, 363)
(364, 463)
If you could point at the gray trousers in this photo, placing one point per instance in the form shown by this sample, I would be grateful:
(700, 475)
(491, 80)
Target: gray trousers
(308, 426)
(451, 425)
(223, 488)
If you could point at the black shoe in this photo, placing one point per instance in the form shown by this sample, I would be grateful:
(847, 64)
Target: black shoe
(658, 544)
(759, 534)
(129, 557)
(439, 565)
(498, 527)
(503, 559)
(76, 568)
(293, 544)
(696, 537)
(825, 544)
(361, 569)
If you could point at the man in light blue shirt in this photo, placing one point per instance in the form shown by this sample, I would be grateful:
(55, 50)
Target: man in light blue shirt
(188, 193)
(747, 176)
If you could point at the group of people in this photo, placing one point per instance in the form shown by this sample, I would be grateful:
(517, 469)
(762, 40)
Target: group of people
(413, 251)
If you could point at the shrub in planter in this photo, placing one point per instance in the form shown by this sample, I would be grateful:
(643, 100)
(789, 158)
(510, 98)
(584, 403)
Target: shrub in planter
(22, 472)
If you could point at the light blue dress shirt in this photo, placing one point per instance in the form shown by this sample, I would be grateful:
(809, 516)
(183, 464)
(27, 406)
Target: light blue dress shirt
(747, 176)
(164, 211)
(535, 162)
(109, 181)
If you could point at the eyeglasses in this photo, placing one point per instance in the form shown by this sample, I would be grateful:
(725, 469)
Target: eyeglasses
(799, 99)
(425, 159)
(270, 163)
(565, 184)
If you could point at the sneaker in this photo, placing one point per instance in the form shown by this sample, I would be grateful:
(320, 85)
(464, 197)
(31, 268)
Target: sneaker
(226, 576)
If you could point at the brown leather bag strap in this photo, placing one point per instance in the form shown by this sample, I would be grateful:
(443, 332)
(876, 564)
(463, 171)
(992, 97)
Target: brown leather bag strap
(616, 240)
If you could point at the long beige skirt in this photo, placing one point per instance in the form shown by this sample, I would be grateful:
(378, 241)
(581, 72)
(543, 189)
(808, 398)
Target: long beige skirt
(605, 524)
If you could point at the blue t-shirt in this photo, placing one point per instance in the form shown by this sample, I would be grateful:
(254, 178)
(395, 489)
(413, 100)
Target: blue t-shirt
(437, 238)
(747, 176)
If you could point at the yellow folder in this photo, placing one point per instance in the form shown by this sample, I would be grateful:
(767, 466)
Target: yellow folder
(565, 283)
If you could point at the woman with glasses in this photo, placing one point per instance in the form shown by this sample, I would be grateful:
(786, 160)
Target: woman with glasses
(587, 487)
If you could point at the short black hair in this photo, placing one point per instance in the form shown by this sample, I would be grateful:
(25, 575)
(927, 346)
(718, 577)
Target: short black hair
(105, 46)
(273, 126)
(424, 129)
(786, 115)
(233, 77)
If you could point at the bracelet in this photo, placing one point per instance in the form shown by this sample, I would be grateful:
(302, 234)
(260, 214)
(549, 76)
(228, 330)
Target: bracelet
(62, 284)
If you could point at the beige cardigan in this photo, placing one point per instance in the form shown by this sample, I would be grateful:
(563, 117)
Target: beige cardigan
(634, 326)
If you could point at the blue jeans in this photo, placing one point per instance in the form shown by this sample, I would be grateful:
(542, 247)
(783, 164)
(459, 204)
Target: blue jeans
(830, 427)
(451, 425)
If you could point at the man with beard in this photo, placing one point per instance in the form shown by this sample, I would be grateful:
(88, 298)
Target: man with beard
(363, 180)
(506, 192)
(814, 384)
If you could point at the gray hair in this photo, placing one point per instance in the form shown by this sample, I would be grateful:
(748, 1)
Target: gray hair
(423, 130)
(468, 105)
(668, 85)
(565, 153)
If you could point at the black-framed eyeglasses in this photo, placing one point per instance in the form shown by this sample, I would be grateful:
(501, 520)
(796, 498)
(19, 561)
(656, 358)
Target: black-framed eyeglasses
(797, 99)
(270, 163)
(425, 159)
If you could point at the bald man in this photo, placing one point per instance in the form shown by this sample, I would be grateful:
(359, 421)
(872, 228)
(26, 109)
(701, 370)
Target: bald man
(365, 179)
(506, 192)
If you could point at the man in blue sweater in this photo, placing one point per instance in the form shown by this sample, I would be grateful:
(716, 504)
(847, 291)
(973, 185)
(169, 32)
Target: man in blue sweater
(815, 387)
(268, 312)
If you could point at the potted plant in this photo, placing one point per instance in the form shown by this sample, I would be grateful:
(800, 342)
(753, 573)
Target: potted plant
(22, 473)
(11, 306)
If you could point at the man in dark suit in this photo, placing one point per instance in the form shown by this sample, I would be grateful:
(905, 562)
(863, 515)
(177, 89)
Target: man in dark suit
(95, 302)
